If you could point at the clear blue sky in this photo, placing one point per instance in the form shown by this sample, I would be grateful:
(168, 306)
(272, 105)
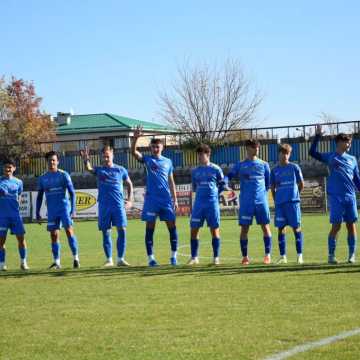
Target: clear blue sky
(115, 56)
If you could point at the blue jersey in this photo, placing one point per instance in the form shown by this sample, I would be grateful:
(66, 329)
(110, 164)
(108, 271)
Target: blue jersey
(56, 185)
(206, 181)
(10, 189)
(254, 176)
(344, 176)
(285, 179)
(158, 171)
(110, 185)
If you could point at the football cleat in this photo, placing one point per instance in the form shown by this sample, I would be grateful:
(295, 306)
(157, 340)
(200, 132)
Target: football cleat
(122, 262)
(216, 261)
(173, 261)
(108, 263)
(267, 259)
(332, 260)
(153, 263)
(282, 260)
(24, 266)
(245, 260)
(351, 259)
(3, 267)
(55, 266)
(76, 264)
(300, 259)
(193, 261)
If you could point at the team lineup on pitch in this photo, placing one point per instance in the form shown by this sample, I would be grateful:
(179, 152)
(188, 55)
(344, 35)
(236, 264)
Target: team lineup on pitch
(285, 182)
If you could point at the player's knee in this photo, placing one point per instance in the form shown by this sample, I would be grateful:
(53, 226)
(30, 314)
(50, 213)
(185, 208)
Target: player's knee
(281, 230)
(266, 230)
(150, 225)
(215, 232)
(335, 229)
(244, 229)
(69, 231)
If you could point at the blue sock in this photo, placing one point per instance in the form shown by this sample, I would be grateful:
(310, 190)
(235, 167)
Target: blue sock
(244, 247)
(267, 244)
(216, 246)
(299, 242)
(194, 244)
(55, 248)
(121, 243)
(22, 253)
(73, 244)
(2, 255)
(351, 244)
(173, 238)
(331, 245)
(149, 240)
(282, 244)
(107, 243)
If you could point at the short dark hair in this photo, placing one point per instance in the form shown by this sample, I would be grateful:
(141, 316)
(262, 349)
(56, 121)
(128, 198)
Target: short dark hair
(9, 161)
(107, 148)
(203, 148)
(252, 143)
(342, 137)
(285, 148)
(50, 154)
(156, 141)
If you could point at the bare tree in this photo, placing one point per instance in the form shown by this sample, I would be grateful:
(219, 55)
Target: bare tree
(207, 102)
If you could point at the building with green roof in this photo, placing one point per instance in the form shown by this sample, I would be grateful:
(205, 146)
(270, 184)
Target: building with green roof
(95, 130)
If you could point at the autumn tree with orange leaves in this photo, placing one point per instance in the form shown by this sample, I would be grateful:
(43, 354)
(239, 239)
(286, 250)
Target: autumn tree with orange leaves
(23, 125)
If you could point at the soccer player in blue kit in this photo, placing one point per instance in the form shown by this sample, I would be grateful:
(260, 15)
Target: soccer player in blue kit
(254, 176)
(207, 181)
(160, 196)
(10, 190)
(342, 183)
(57, 186)
(286, 183)
(112, 205)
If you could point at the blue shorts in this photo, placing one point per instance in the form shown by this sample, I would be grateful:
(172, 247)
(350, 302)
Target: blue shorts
(207, 211)
(288, 213)
(112, 217)
(342, 209)
(59, 220)
(152, 209)
(15, 224)
(248, 211)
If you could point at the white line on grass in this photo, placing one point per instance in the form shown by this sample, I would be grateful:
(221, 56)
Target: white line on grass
(313, 345)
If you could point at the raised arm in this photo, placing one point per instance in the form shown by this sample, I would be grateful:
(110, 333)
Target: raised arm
(313, 148)
(134, 151)
(85, 155)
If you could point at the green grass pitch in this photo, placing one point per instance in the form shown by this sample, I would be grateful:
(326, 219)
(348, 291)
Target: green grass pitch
(206, 312)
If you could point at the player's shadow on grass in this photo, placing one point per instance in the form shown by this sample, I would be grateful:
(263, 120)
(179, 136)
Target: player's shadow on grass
(182, 270)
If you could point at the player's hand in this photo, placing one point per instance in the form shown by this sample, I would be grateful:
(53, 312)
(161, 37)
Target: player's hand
(73, 214)
(138, 132)
(318, 130)
(85, 154)
(176, 205)
(128, 204)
